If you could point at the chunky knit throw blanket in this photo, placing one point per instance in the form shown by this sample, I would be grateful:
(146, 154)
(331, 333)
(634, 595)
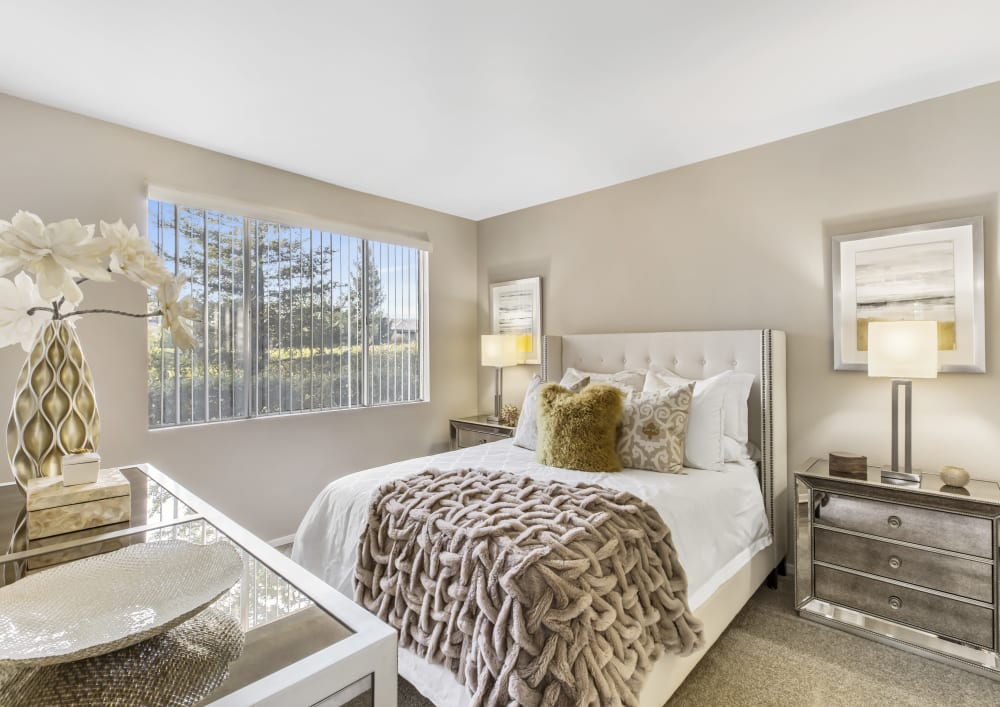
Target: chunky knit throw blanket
(530, 592)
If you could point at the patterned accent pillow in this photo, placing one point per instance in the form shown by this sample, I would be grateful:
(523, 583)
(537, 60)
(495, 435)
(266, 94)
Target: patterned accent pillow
(653, 429)
(526, 434)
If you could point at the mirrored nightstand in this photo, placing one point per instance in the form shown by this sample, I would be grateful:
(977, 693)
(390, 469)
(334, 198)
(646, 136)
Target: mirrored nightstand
(914, 567)
(470, 431)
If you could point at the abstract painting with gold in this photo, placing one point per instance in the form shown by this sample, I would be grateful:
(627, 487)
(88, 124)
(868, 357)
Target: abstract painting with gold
(516, 308)
(908, 283)
(925, 272)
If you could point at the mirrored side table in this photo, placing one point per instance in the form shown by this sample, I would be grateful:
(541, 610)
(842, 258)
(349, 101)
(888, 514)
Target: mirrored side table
(476, 430)
(914, 567)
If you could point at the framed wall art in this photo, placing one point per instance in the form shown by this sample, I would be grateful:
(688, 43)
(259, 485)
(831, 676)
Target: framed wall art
(516, 308)
(928, 272)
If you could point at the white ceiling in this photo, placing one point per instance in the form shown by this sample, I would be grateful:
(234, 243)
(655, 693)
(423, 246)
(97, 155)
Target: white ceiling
(479, 108)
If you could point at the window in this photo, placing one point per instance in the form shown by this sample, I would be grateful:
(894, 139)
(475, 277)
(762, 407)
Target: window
(294, 319)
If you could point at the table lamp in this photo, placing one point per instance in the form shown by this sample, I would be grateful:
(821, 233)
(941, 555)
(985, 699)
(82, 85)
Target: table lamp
(902, 351)
(499, 350)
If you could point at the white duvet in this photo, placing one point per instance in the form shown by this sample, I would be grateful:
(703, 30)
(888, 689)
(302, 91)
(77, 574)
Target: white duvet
(717, 518)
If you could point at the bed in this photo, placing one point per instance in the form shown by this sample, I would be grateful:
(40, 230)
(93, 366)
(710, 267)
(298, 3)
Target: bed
(729, 527)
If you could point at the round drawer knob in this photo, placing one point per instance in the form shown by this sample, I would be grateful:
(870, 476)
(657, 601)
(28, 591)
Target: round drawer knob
(894, 522)
(895, 602)
(895, 562)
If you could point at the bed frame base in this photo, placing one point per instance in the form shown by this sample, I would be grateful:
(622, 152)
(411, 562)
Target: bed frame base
(716, 614)
(772, 577)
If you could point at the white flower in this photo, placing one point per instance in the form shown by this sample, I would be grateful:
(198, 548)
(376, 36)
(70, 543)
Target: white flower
(133, 256)
(56, 253)
(17, 296)
(178, 312)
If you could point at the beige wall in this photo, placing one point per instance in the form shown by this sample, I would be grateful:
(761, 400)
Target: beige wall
(735, 242)
(262, 472)
(743, 241)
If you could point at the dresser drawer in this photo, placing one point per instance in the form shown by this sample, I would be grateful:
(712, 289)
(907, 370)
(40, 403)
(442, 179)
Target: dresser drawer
(945, 573)
(946, 617)
(470, 438)
(923, 526)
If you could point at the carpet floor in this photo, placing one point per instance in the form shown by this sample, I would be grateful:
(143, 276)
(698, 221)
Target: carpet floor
(769, 656)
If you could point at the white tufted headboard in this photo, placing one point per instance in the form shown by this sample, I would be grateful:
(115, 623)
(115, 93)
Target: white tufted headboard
(701, 354)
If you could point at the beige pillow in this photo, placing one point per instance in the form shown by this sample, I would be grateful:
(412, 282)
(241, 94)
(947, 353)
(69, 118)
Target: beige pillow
(653, 429)
(579, 430)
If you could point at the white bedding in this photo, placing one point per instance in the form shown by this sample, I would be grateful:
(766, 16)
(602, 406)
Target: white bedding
(717, 520)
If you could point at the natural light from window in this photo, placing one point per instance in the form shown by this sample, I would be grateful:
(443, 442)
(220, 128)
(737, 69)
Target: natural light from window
(294, 319)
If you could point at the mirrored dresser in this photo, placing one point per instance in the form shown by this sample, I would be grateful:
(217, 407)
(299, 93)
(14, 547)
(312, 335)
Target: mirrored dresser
(279, 636)
(913, 566)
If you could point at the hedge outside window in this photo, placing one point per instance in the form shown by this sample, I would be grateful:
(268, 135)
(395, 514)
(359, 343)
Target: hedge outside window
(294, 319)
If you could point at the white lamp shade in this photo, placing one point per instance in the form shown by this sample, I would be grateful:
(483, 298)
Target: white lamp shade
(903, 349)
(500, 350)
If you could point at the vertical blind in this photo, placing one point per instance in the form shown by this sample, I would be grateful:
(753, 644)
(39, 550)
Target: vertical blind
(294, 319)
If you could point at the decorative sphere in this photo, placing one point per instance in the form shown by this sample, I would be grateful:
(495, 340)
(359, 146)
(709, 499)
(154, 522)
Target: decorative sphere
(954, 476)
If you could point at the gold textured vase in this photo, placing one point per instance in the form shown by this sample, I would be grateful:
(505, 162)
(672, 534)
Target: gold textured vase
(55, 410)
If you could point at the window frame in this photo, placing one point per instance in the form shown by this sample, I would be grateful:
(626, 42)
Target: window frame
(249, 316)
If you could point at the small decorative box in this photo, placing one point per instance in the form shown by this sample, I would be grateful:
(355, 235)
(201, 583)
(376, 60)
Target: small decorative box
(81, 468)
(848, 465)
(54, 508)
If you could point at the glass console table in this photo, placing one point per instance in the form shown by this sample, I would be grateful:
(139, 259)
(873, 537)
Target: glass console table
(305, 643)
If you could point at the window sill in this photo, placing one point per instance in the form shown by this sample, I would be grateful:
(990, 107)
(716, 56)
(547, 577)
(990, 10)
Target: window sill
(285, 415)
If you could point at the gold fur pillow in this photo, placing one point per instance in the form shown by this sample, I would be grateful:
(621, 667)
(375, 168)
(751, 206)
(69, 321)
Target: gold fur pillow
(579, 430)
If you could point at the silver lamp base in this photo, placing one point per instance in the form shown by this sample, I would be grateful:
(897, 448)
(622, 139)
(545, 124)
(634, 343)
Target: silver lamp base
(494, 419)
(901, 474)
(900, 478)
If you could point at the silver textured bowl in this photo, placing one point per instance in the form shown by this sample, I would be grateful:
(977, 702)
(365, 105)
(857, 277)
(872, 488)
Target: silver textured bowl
(108, 602)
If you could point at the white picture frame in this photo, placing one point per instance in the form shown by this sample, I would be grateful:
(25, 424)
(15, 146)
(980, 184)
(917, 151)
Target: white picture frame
(931, 271)
(516, 308)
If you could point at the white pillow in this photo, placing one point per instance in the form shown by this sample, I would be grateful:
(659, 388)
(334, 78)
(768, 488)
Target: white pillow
(628, 381)
(737, 452)
(737, 416)
(526, 433)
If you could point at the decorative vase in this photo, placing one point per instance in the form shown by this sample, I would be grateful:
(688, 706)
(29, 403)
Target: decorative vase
(55, 409)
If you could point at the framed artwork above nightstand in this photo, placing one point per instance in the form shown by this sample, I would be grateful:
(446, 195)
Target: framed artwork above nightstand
(475, 430)
(925, 272)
